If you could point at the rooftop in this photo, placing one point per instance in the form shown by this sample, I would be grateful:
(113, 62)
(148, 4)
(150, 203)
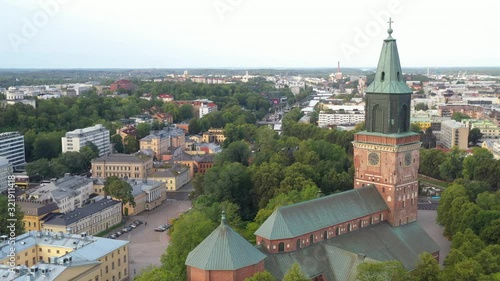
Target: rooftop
(78, 214)
(305, 217)
(122, 158)
(224, 249)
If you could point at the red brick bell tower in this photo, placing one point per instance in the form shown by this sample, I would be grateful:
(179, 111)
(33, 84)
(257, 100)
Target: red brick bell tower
(386, 155)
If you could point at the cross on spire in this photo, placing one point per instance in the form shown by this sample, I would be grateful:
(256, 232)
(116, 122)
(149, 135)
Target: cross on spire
(390, 27)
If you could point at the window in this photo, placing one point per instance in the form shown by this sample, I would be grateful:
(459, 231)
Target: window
(325, 235)
(349, 227)
(281, 247)
(297, 244)
(311, 239)
(106, 269)
(125, 258)
(113, 266)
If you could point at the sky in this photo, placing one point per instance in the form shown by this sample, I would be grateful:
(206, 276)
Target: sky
(245, 33)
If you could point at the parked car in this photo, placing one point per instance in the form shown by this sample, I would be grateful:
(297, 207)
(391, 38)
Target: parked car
(112, 236)
(162, 228)
(118, 233)
(125, 230)
(133, 225)
(137, 222)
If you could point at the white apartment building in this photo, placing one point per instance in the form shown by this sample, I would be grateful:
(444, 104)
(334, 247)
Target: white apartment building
(325, 119)
(206, 108)
(454, 133)
(98, 135)
(5, 171)
(68, 193)
(12, 148)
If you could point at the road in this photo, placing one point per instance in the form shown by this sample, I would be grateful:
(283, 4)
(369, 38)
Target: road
(427, 219)
(146, 245)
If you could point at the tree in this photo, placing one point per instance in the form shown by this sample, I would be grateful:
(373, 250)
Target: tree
(153, 273)
(143, 129)
(10, 211)
(88, 153)
(261, 276)
(474, 136)
(117, 142)
(194, 126)
(421, 106)
(414, 127)
(185, 112)
(295, 274)
(459, 116)
(131, 145)
(382, 271)
(120, 190)
(427, 268)
(451, 168)
(188, 231)
(237, 151)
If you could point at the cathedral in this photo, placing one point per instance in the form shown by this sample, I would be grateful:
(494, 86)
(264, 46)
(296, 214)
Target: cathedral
(329, 236)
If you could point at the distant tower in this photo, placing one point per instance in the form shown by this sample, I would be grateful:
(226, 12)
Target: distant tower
(387, 153)
(338, 75)
(186, 74)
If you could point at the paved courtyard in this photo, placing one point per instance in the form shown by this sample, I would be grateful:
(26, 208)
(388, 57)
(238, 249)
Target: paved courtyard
(146, 245)
(427, 219)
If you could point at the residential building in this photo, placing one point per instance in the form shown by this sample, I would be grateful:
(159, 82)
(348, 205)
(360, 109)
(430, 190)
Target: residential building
(166, 97)
(129, 130)
(5, 172)
(206, 108)
(160, 141)
(148, 194)
(174, 178)
(44, 255)
(12, 148)
(201, 107)
(326, 119)
(122, 85)
(214, 135)
(34, 212)
(489, 129)
(492, 146)
(197, 163)
(92, 218)
(473, 111)
(374, 222)
(136, 166)
(453, 134)
(69, 192)
(208, 148)
(98, 135)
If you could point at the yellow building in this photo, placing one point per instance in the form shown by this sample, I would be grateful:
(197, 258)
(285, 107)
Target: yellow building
(214, 135)
(34, 212)
(92, 219)
(174, 178)
(122, 165)
(158, 142)
(44, 255)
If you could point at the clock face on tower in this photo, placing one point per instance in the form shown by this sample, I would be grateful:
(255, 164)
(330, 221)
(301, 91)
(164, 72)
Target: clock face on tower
(408, 158)
(373, 158)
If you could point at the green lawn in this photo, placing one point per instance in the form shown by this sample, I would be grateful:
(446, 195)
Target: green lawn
(433, 182)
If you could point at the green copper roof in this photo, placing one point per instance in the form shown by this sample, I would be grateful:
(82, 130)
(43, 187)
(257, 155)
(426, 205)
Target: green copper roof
(224, 249)
(337, 258)
(389, 77)
(305, 217)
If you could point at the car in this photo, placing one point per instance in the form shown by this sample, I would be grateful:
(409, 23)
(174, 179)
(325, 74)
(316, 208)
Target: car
(162, 228)
(112, 236)
(118, 233)
(133, 225)
(124, 230)
(137, 222)
(129, 228)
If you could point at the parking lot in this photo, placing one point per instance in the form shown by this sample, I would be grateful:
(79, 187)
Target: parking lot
(146, 245)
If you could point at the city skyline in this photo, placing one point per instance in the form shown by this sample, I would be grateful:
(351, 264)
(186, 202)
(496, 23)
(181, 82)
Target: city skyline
(242, 34)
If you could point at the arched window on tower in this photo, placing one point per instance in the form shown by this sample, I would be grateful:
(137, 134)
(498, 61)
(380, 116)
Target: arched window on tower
(382, 78)
(403, 119)
(377, 119)
(281, 247)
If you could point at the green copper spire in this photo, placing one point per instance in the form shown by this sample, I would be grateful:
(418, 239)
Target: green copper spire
(388, 98)
(389, 77)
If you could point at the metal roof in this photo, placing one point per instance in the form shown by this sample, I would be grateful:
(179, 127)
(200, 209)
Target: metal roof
(305, 217)
(389, 76)
(224, 249)
(80, 213)
(337, 258)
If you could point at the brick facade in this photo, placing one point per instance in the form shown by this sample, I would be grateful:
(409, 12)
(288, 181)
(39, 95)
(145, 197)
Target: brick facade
(196, 274)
